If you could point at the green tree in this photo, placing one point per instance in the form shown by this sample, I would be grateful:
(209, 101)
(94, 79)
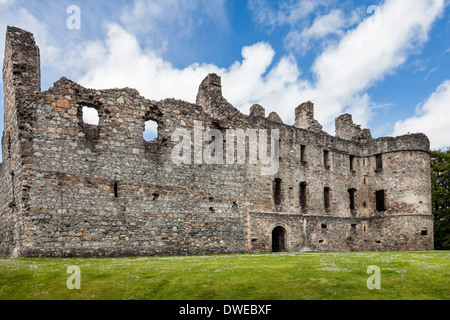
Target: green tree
(440, 185)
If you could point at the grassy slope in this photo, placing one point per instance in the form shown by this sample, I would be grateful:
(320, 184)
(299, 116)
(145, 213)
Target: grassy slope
(404, 275)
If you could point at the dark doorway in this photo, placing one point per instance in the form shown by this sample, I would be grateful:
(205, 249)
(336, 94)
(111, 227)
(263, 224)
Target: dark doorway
(278, 239)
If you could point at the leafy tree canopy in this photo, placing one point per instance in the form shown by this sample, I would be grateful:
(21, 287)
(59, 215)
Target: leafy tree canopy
(440, 184)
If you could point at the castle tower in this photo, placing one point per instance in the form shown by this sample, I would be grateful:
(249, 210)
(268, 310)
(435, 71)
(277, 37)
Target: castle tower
(21, 81)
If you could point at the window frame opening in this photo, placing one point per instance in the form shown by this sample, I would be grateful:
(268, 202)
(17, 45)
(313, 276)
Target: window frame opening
(91, 128)
(352, 198)
(352, 163)
(150, 125)
(379, 162)
(302, 195)
(277, 191)
(116, 189)
(380, 200)
(327, 198)
(303, 155)
(326, 159)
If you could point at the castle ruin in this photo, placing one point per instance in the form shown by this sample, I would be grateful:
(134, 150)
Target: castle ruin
(68, 188)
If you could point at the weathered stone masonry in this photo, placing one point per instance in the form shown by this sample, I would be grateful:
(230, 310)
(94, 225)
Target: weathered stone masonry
(74, 189)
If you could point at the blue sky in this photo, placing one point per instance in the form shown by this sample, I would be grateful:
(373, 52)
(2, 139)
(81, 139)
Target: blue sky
(385, 62)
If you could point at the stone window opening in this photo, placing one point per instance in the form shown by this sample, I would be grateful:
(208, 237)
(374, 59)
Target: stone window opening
(326, 159)
(89, 121)
(302, 194)
(90, 116)
(116, 190)
(151, 131)
(378, 163)
(323, 226)
(380, 200)
(277, 191)
(424, 232)
(9, 144)
(352, 163)
(326, 198)
(351, 193)
(303, 155)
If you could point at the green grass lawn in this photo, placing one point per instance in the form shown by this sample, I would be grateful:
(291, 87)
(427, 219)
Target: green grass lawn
(296, 276)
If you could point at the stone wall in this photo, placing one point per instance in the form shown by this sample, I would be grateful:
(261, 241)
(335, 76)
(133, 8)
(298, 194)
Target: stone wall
(101, 190)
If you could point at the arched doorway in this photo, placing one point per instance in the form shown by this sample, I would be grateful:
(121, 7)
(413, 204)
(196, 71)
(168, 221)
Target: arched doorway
(278, 239)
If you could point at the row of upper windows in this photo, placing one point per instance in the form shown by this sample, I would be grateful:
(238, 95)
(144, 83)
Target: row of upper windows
(379, 196)
(326, 160)
(90, 116)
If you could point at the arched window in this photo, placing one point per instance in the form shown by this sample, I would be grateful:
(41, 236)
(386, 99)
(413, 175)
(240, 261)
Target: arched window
(90, 116)
(151, 131)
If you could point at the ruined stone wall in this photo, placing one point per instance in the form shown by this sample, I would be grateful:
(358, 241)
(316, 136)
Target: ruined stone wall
(21, 81)
(101, 190)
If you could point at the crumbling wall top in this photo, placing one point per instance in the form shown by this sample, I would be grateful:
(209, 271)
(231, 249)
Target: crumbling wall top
(21, 68)
(304, 118)
(346, 129)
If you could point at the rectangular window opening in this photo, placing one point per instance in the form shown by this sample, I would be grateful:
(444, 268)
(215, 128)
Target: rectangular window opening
(326, 160)
(303, 195)
(302, 154)
(352, 163)
(351, 193)
(277, 192)
(326, 198)
(380, 200)
(379, 162)
(116, 190)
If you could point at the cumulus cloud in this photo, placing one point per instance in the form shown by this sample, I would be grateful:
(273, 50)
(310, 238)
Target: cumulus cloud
(323, 26)
(368, 53)
(342, 72)
(431, 118)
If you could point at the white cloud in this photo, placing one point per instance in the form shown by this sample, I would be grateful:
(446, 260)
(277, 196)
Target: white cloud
(125, 64)
(6, 2)
(342, 73)
(163, 24)
(365, 55)
(432, 118)
(331, 23)
(291, 12)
